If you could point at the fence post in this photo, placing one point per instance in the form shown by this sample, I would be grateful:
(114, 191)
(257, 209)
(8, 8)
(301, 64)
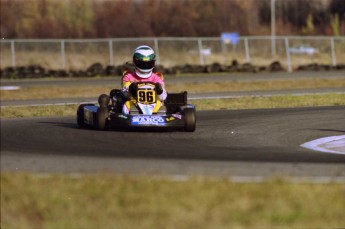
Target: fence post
(157, 51)
(273, 28)
(246, 47)
(13, 52)
(288, 54)
(334, 58)
(111, 58)
(63, 57)
(200, 52)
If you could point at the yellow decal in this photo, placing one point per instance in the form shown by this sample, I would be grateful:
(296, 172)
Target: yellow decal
(146, 59)
(170, 119)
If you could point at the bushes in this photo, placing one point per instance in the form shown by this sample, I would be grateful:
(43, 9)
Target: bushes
(164, 18)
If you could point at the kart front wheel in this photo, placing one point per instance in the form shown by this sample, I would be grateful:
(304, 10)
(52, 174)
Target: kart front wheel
(189, 119)
(102, 116)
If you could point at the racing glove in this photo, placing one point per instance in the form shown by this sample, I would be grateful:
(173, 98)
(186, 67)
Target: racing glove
(159, 88)
(125, 93)
(133, 89)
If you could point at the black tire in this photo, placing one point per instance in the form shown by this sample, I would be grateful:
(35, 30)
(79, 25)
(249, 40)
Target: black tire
(103, 100)
(102, 117)
(80, 115)
(189, 119)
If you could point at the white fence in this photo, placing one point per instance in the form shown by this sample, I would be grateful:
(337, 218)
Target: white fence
(81, 53)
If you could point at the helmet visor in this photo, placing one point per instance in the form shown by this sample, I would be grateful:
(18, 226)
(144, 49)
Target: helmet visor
(145, 65)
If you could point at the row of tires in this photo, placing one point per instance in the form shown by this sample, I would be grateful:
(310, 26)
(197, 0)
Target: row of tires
(97, 69)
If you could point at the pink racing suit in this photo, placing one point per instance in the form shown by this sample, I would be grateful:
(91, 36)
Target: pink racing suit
(131, 77)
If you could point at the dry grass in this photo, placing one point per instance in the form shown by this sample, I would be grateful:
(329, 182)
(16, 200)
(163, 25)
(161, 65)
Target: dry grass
(205, 104)
(260, 85)
(271, 102)
(36, 92)
(110, 201)
(47, 92)
(38, 111)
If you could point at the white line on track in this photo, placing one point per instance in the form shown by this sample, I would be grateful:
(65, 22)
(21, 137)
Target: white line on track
(9, 88)
(333, 144)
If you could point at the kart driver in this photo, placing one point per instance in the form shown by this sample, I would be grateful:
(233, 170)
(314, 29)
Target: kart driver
(144, 62)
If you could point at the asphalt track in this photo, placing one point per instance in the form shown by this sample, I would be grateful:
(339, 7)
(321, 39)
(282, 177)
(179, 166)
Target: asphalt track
(266, 141)
(234, 143)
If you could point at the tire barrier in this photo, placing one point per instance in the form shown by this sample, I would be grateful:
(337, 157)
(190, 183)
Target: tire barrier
(97, 69)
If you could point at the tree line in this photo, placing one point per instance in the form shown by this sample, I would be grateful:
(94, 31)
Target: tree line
(162, 18)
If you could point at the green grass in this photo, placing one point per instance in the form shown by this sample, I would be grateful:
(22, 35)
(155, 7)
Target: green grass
(207, 104)
(114, 201)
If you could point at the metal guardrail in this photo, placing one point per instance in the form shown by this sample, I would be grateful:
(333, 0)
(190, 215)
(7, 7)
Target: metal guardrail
(81, 53)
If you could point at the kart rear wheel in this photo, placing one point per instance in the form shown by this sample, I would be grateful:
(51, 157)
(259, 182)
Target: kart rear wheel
(103, 100)
(102, 116)
(189, 119)
(80, 115)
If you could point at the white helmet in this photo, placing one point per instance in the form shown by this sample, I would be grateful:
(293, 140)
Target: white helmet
(144, 61)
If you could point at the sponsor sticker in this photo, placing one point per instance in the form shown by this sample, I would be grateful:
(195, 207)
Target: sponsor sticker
(178, 116)
(147, 120)
(122, 116)
(146, 85)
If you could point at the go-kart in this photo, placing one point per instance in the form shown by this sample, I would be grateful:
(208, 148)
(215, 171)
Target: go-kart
(146, 111)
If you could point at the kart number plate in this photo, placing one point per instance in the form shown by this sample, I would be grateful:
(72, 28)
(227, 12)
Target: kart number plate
(146, 96)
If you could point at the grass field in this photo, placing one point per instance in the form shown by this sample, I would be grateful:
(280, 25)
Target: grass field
(115, 201)
(104, 200)
(37, 92)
